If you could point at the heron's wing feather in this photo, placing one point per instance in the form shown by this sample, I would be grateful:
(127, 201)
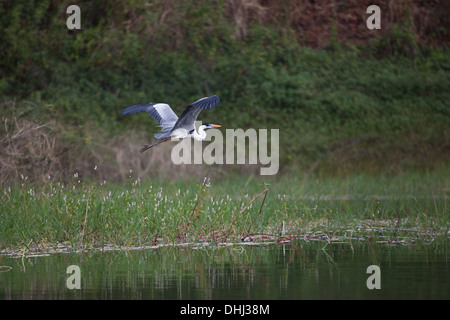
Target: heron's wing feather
(161, 112)
(187, 118)
(136, 108)
(206, 103)
(190, 114)
(164, 114)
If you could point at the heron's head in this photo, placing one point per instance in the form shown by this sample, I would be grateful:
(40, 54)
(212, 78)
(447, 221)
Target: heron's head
(209, 125)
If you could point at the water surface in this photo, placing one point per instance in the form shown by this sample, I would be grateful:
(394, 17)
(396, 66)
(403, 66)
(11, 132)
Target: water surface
(298, 270)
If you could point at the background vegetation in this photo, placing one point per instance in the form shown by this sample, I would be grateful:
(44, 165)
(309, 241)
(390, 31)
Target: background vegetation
(346, 99)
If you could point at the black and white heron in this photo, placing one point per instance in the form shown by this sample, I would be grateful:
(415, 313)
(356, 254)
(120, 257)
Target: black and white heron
(173, 126)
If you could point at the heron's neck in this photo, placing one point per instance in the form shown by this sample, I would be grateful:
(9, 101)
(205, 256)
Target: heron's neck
(201, 135)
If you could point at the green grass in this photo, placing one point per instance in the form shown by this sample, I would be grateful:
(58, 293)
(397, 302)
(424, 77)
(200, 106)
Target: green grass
(410, 208)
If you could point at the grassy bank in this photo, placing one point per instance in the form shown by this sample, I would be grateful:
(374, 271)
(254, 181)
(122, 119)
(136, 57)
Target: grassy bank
(81, 215)
(363, 119)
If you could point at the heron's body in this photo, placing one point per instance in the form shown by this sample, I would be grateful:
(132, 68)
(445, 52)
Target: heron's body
(173, 126)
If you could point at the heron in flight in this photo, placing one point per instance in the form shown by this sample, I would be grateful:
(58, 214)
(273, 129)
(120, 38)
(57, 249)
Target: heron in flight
(173, 126)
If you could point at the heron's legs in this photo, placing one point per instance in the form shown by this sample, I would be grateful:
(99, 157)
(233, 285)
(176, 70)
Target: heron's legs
(148, 146)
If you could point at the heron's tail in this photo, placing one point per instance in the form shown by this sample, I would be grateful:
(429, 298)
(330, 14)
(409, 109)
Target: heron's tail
(161, 135)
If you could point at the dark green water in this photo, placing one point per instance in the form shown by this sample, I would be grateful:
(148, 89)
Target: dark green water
(292, 271)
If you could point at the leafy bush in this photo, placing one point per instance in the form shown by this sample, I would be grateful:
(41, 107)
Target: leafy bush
(338, 108)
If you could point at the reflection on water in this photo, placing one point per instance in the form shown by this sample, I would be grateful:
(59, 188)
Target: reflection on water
(290, 271)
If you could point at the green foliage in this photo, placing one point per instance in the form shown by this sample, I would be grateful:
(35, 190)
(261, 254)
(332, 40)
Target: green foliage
(390, 97)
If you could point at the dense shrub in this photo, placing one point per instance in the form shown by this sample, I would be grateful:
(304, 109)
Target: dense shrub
(354, 101)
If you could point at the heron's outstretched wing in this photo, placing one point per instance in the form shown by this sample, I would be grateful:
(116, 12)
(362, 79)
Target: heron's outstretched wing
(190, 114)
(161, 112)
